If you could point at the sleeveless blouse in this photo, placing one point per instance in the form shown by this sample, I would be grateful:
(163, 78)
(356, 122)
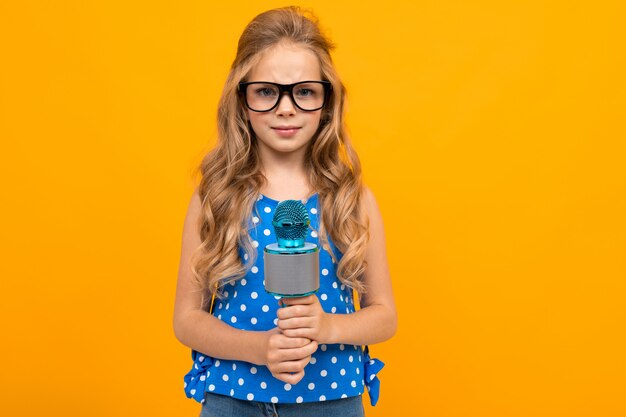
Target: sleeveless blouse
(335, 370)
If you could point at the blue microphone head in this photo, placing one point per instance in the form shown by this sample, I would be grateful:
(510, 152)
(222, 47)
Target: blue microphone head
(291, 222)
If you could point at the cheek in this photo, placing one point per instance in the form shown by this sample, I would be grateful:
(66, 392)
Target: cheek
(256, 121)
(314, 121)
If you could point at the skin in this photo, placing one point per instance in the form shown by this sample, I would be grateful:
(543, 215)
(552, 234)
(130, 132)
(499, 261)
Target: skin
(302, 323)
(282, 158)
(285, 64)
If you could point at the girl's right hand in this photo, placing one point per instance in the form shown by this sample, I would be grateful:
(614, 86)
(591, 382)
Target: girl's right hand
(286, 357)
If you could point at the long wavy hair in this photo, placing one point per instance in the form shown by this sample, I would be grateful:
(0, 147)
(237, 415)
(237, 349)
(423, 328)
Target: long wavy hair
(231, 177)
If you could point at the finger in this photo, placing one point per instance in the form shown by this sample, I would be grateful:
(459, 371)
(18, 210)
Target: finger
(290, 378)
(281, 355)
(284, 342)
(294, 311)
(309, 299)
(300, 333)
(286, 355)
(295, 323)
(305, 351)
(311, 347)
(291, 366)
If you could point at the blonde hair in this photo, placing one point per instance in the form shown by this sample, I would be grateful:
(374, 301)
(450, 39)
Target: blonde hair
(231, 176)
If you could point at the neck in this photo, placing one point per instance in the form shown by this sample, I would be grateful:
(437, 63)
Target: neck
(282, 161)
(286, 176)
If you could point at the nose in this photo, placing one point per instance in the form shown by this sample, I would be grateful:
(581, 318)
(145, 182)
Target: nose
(285, 105)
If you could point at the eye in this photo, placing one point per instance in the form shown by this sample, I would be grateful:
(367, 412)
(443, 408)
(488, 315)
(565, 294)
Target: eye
(305, 92)
(265, 92)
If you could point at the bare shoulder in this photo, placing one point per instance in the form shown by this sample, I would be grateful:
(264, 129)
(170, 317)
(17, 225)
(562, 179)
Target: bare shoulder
(370, 205)
(192, 217)
(375, 222)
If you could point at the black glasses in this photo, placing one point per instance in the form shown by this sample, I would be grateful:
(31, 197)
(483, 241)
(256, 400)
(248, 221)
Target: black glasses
(262, 96)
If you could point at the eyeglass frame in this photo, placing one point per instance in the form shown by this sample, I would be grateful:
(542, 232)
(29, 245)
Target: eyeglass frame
(282, 88)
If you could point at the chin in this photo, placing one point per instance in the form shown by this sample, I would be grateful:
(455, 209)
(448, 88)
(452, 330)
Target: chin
(287, 149)
(285, 146)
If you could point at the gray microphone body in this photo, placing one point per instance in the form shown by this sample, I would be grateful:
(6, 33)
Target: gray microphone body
(292, 273)
(291, 265)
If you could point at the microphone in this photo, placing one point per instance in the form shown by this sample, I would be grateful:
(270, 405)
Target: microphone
(291, 265)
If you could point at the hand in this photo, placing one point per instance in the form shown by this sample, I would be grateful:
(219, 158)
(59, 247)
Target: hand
(286, 357)
(304, 317)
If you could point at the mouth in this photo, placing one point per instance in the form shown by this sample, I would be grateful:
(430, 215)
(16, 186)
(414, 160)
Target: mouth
(286, 131)
(285, 127)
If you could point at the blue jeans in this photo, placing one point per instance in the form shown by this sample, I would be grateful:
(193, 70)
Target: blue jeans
(223, 406)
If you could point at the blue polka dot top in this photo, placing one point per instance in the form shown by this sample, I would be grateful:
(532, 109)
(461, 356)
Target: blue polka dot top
(335, 370)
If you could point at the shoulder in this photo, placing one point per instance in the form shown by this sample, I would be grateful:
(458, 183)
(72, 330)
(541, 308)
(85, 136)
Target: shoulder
(195, 203)
(368, 195)
(374, 218)
(369, 203)
(193, 216)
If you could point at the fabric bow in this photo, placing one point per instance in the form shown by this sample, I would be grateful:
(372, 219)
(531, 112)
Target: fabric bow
(372, 367)
(195, 380)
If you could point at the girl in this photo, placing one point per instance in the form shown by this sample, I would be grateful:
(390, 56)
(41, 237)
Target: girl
(281, 135)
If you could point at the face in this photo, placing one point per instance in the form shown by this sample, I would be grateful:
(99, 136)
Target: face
(285, 130)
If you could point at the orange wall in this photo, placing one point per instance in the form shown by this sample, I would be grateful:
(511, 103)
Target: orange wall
(491, 132)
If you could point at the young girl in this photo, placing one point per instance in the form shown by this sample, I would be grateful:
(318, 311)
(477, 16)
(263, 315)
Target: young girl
(281, 135)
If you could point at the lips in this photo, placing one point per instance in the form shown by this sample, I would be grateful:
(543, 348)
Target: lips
(286, 127)
(286, 131)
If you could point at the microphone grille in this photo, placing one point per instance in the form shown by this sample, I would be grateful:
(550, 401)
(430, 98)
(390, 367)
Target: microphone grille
(291, 220)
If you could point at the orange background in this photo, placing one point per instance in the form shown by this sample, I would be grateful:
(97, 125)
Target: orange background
(491, 132)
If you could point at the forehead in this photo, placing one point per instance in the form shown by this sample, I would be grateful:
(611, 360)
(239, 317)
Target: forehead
(286, 63)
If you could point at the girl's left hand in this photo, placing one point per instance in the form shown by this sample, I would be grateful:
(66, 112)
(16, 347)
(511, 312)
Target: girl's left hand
(304, 317)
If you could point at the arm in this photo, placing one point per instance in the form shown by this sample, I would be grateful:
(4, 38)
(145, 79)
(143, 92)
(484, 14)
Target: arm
(375, 322)
(196, 328)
